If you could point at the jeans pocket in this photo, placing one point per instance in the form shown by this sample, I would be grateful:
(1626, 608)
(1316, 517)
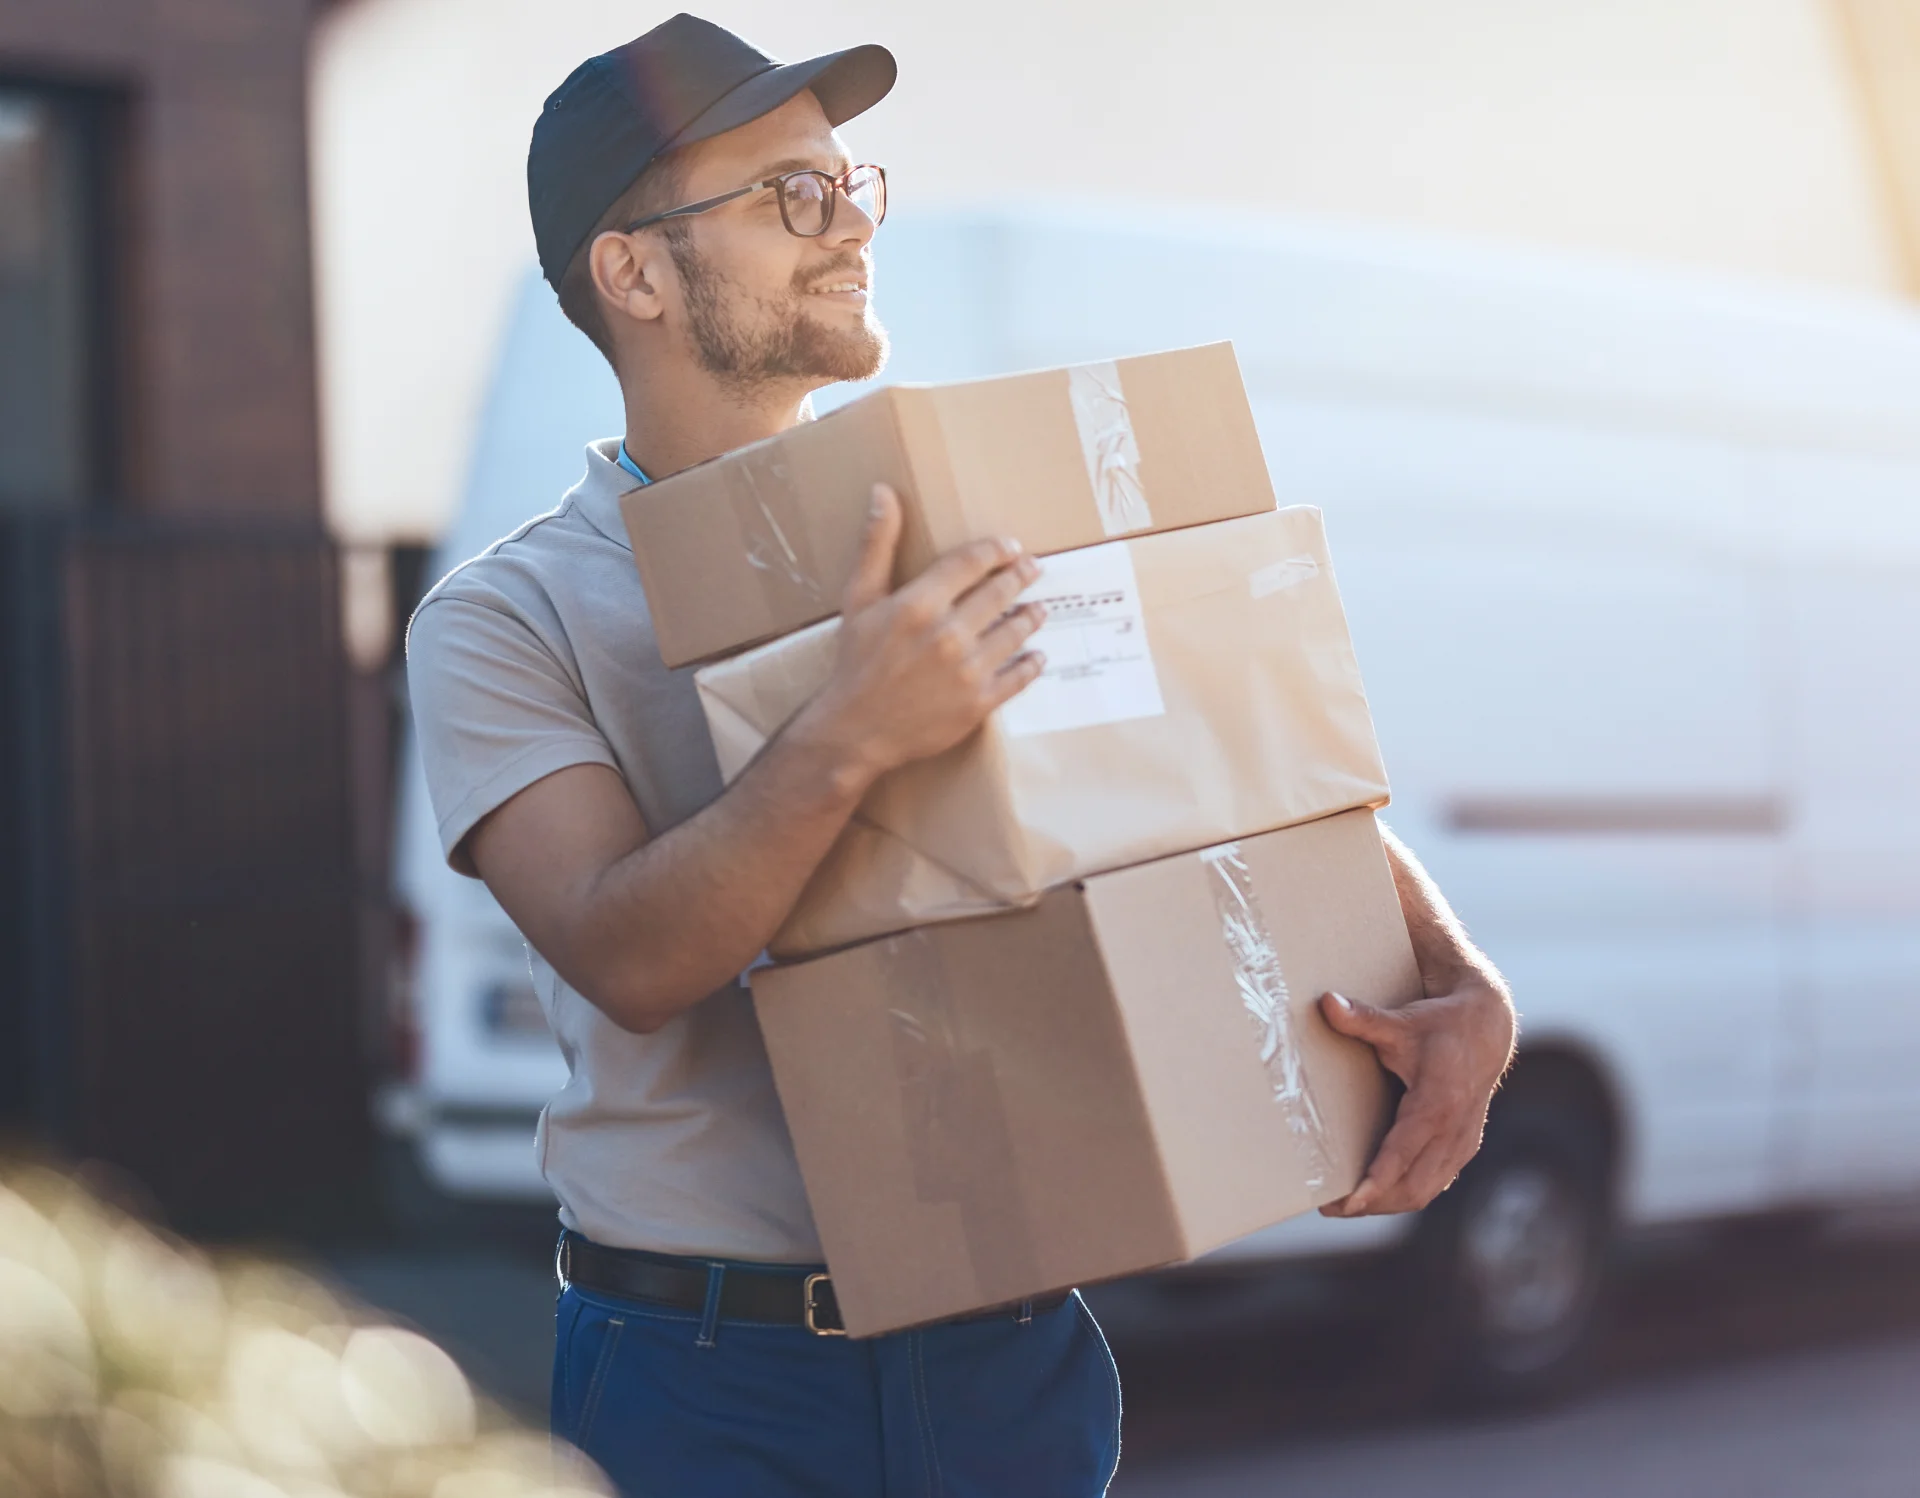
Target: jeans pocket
(610, 1334)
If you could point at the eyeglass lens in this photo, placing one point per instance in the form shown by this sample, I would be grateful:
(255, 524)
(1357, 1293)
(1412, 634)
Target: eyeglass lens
(809, 198)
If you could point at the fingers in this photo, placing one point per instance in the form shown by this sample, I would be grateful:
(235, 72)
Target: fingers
(1016, 676)
(1007, 637)
(1433, 1046)
(1411, 1136)
(1430, 1142)
(1391, 1033)
(978, 608)
(872, 576)
(965, 567)
(1377, 1027)
(1408, 1186)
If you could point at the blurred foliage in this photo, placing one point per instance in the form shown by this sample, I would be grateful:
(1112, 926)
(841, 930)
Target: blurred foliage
(133, 1365)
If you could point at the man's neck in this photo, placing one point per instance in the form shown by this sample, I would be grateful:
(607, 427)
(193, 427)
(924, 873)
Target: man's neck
(674, 424)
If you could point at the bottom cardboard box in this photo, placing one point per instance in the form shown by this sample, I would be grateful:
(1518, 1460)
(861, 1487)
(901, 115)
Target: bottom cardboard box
(1127, 1075)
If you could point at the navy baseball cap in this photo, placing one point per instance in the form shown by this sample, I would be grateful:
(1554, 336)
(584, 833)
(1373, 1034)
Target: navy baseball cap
(685, 80)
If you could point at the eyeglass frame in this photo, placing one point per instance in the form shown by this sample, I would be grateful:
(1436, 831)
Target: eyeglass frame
(836, 188)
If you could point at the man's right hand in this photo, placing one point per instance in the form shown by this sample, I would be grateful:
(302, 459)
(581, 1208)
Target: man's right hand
(921, 668)
(646, 928)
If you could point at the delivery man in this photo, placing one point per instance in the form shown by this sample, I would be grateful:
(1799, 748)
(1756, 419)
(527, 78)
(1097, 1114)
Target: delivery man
(703, 224)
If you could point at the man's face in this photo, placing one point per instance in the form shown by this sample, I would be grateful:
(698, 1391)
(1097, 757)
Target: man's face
(763, 306)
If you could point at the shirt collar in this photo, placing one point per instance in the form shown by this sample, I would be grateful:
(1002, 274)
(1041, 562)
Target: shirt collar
(600, 487)
(625, 460)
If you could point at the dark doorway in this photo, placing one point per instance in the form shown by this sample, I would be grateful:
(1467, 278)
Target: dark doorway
(56, 438)
(57, 460)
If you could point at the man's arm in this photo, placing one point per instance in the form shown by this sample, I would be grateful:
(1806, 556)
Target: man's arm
(646, 928)
(1450, 1049)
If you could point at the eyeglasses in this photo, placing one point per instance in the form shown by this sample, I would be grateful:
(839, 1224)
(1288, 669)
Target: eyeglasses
(807, 199)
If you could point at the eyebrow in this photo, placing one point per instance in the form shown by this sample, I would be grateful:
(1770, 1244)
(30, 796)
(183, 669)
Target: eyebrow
(797, 164)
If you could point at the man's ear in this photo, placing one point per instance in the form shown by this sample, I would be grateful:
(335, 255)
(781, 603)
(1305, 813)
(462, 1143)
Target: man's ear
(629, 272)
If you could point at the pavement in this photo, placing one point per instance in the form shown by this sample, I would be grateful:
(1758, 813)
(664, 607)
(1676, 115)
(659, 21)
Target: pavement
(1833, 1424)
(1764, 1365)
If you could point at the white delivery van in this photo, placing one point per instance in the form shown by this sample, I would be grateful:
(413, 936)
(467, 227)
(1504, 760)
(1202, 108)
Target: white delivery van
(1632, 561)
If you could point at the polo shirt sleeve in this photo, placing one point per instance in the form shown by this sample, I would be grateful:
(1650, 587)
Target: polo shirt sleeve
(494, 710)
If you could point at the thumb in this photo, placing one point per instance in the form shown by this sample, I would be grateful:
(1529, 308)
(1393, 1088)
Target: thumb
(1377, 1027)
(872, 576)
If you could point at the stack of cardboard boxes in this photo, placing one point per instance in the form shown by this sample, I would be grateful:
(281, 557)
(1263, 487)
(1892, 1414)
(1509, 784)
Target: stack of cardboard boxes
(1046, 1013)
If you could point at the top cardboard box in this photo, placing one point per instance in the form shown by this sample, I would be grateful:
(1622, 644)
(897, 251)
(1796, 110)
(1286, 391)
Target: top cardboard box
(760, 542)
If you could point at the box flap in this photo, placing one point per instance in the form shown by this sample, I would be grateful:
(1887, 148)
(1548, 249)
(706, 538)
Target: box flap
(749, 698)
(867, 885)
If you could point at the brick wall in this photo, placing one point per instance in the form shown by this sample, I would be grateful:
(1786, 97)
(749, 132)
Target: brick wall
(213, 317)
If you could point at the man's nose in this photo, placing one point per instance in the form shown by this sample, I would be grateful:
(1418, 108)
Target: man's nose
(850, 225)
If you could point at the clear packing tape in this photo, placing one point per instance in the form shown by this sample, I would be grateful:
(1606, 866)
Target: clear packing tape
(1269, 1003)
(958, 1137)
(771, 517)
(1107, 443)
(772, 523)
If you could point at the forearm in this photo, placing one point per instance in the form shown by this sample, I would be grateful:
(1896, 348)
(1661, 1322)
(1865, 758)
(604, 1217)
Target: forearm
(1447, 956)
(647, 927)
(683, 913)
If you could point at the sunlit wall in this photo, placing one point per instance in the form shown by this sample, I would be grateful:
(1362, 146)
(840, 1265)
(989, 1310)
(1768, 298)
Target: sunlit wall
(1724, 134)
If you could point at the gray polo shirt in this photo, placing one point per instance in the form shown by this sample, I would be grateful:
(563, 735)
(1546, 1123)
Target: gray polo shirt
(537, 655)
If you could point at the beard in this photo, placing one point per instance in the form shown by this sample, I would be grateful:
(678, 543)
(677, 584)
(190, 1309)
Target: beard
(750, 341)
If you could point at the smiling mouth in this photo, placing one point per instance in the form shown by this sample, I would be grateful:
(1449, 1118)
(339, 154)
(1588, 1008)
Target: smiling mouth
(829, 288)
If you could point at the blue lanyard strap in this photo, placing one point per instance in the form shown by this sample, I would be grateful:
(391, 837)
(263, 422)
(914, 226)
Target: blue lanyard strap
(631, 466)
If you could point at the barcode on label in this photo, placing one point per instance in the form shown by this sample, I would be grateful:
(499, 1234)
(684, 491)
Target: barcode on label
(1099, 663)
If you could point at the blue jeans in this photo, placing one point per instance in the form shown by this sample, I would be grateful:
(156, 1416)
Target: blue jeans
(976, 1409)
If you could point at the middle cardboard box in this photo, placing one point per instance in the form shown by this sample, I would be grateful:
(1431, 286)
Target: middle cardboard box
(1200, 686)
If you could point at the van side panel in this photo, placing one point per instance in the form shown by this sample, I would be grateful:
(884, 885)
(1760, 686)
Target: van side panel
(1843, 532)
(1559, 630)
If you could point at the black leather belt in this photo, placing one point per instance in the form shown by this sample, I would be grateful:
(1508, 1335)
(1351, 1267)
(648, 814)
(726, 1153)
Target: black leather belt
(781, 1297)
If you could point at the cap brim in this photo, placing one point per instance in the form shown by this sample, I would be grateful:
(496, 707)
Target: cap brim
(846, 84)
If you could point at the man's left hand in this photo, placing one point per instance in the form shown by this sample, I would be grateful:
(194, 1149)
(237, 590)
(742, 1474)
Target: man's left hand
(1450, 1051)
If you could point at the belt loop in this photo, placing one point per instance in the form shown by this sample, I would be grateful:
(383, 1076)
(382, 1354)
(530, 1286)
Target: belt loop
(1026, 1312)
(710, 1316)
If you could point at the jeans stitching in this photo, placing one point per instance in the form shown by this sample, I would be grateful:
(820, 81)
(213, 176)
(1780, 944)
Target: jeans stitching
(597, 1385)
(930, 1451)
(1113, 1387)
(564, 1340)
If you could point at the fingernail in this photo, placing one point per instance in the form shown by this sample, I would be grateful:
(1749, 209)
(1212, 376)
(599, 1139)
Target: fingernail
(1029, 568)
(1342, 1000)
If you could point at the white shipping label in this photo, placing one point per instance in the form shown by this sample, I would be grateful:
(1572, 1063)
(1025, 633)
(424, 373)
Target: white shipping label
(1099, 665)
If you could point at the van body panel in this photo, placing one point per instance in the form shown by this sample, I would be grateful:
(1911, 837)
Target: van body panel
(1632, 564)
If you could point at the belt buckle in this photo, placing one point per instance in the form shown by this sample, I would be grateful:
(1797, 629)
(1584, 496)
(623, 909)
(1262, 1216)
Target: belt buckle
(808, 1307)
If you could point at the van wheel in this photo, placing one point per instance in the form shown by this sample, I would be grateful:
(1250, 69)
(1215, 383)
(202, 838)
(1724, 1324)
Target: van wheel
(1511, 1262)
